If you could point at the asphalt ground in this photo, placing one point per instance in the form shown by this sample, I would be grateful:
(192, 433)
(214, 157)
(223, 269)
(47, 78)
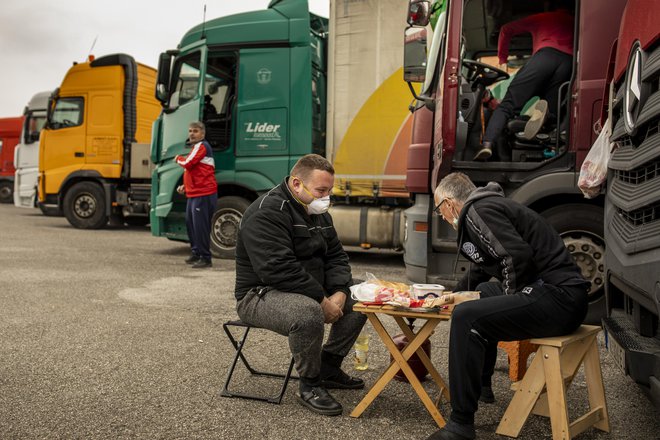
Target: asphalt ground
(109, 334)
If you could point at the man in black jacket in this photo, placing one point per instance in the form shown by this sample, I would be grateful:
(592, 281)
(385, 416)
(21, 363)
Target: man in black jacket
(539, 290)
(292, 276)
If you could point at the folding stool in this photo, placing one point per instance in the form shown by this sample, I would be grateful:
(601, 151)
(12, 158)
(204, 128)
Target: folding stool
(238, 346)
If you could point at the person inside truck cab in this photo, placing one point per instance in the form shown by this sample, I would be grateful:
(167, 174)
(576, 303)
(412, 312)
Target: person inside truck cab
(538, 290)
(548, 68)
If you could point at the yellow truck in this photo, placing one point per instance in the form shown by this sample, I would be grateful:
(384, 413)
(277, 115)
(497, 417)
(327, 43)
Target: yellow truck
(94, 150)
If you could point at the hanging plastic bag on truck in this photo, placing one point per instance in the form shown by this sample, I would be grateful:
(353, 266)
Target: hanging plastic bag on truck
(594, 168)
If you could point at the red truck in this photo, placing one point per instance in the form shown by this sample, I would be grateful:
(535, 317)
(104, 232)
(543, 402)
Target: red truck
(632, 206)
(10, 134)
(449, 117)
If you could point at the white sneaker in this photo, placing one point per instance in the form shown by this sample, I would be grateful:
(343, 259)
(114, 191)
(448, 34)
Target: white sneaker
(537, 113)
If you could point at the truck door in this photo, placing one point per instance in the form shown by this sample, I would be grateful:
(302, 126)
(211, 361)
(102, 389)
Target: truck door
(263, 102)
(63, 143)
(186, 101)
(444, 131)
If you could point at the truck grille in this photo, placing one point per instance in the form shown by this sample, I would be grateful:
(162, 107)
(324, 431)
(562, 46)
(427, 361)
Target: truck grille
(634, 180)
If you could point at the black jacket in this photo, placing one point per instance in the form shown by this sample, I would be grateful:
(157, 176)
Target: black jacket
(280, 246)
(512, 243)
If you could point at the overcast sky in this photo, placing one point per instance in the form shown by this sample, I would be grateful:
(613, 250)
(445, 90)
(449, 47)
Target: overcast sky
(40, 39)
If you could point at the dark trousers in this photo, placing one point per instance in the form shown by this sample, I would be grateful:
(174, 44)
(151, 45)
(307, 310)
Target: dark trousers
(545, 71)
(199, 212)
(543, 310)
(300, 318)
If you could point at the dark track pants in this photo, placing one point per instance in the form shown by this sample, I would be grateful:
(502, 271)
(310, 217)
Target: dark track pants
(199, 212)
(545, 71)
(477, 327)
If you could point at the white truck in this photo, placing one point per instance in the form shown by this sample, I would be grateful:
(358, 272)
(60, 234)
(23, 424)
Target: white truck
(26, 155)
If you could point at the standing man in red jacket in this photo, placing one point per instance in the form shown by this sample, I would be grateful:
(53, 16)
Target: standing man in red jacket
(201, 189)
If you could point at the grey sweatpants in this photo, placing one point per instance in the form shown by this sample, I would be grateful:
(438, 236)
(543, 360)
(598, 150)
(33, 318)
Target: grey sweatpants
(300, 318)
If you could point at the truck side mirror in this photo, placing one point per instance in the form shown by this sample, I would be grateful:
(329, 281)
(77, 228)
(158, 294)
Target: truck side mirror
(414, 55)
(163, 79)
(33, 137)
(419, 12)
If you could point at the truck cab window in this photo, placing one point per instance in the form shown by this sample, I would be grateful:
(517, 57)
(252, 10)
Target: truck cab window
(219, 99)
(68, 112)
(186, 80)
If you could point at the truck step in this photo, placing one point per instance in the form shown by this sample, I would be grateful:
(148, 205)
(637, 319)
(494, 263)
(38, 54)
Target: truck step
(637, 356)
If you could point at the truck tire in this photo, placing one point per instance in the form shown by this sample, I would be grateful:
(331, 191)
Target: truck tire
(84, 206)
(224, 225)
(581, 228)
(6, 192)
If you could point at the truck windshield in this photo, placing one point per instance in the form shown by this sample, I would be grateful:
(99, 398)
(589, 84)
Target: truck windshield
(434, 52)
(67, 113)
(186, 80)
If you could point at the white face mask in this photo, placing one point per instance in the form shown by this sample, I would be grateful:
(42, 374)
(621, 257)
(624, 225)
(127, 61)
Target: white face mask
(319, 206)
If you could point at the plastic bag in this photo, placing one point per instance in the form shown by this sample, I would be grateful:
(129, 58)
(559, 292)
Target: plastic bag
(376, 290)
(594, 168)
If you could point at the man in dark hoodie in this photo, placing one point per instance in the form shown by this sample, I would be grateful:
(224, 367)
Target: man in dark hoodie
(539, 290)
(292, 276)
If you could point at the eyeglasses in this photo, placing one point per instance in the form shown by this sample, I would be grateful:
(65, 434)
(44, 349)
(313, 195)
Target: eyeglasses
(437, 207)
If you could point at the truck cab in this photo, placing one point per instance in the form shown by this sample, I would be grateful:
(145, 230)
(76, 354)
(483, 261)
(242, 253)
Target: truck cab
(94, 149)
(632, 216)
(450, 116)
(10, 132)
(247, 77)
(26, 157)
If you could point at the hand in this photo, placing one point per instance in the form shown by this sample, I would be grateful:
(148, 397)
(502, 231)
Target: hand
(504, 66)
(338, 298)
(181, 189)
(331, 311)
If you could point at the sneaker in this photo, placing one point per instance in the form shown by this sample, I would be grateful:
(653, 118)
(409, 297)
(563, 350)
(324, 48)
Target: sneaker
(192, 259)
(537, 113)
(485, 153)
(202, 263)
(487, 395)
(317, 399)
(341, 380)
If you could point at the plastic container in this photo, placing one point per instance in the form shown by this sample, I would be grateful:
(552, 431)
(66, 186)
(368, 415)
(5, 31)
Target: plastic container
(424, 291)
(361, 359)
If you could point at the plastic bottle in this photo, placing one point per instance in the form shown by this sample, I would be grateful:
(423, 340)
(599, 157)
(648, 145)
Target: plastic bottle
(361, 346)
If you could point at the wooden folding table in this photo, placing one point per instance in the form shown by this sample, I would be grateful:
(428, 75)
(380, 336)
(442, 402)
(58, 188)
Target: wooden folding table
(415, 341)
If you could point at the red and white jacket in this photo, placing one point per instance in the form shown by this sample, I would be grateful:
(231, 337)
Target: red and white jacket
(199, 171)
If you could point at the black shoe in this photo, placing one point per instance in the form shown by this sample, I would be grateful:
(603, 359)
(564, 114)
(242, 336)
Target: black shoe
(341, 380)
(318, 400)
(202, 263)
(192, 259)
(443, 434)
(487, 395)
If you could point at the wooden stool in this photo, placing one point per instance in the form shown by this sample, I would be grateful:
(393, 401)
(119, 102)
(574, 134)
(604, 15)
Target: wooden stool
(518, 353)
(543, 388)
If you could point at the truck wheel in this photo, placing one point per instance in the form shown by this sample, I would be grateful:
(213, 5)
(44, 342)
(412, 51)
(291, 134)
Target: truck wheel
(224, 225)
(581, 228)
(6, 192)
(84, 206)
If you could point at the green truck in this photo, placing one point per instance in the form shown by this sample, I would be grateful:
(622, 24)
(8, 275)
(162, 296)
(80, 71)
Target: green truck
(272, 85)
